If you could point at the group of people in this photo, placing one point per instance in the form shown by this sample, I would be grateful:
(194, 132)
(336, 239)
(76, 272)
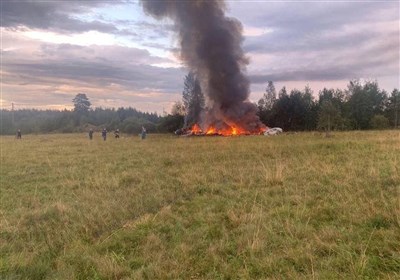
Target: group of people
(116, 133)
(103, 134)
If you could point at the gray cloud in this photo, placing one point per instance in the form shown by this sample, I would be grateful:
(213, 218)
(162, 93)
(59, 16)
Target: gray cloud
(60, 16)
(304, 75)
(100, 66)
(63, 17)
(321, 41)
(280, 41)
(51, 74)
(311, 16)
(386, 64)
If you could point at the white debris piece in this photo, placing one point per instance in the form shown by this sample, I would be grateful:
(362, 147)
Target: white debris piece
(273, 131)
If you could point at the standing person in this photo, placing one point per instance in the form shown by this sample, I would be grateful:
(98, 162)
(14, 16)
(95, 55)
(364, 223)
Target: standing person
(116, 133)
(143, 133)
(19, 135)
(104, 134)
(91, 134)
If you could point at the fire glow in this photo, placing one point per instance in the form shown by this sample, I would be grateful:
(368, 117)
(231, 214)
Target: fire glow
(228, 131)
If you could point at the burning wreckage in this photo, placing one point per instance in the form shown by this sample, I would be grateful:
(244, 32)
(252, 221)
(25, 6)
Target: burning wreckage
(196, 130)
(210, 47)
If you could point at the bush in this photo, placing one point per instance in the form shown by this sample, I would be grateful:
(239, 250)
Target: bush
(171, 123)
(379, 122)
(134, 125)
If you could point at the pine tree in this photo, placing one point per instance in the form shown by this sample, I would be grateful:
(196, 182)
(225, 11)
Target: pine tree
(193, 99)
(394, 108)
(266, 103)
(81, 103)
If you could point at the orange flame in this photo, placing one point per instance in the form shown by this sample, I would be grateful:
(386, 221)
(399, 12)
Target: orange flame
(229, 131)
(211, 130)
(196, 129)
(234, 131)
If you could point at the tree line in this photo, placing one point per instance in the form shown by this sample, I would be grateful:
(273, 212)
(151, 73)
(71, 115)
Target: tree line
(360, 106)
(81, 119)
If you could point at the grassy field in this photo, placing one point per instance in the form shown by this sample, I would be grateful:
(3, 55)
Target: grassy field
(295, 206)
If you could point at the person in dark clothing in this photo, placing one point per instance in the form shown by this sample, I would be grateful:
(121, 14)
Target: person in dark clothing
(144, 132)
(104, 134)
(91, 134)
(19, 135)
(116, 133)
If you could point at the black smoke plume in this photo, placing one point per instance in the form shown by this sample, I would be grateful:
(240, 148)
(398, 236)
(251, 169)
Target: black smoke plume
(211, 47)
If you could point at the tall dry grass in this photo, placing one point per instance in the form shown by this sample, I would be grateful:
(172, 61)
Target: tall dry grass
(292, 206)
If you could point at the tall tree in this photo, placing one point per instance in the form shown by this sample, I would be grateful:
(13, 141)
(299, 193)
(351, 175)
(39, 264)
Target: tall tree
(280, 111)
(299, 108)
(310, 108)
(193, 99)
(364, 102)
(266, 103)
(393, 110)
(269, 97)
(282, 92)
(337, 99)
(81, 103)
(328, 116)
(295, 111)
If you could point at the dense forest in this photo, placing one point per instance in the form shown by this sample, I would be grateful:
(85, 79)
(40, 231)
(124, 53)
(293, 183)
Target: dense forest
(360, 106)
(128, 120)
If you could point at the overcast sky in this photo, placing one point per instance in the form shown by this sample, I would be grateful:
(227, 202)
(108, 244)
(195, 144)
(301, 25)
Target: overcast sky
(118, 56)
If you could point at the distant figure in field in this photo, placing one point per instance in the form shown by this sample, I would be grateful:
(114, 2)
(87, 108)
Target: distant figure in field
(116, 133)
(91, 134)
(144, 132)
(19, 135)
(104, 134)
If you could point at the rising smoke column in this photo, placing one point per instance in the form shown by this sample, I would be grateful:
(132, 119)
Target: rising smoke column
(211, 47)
